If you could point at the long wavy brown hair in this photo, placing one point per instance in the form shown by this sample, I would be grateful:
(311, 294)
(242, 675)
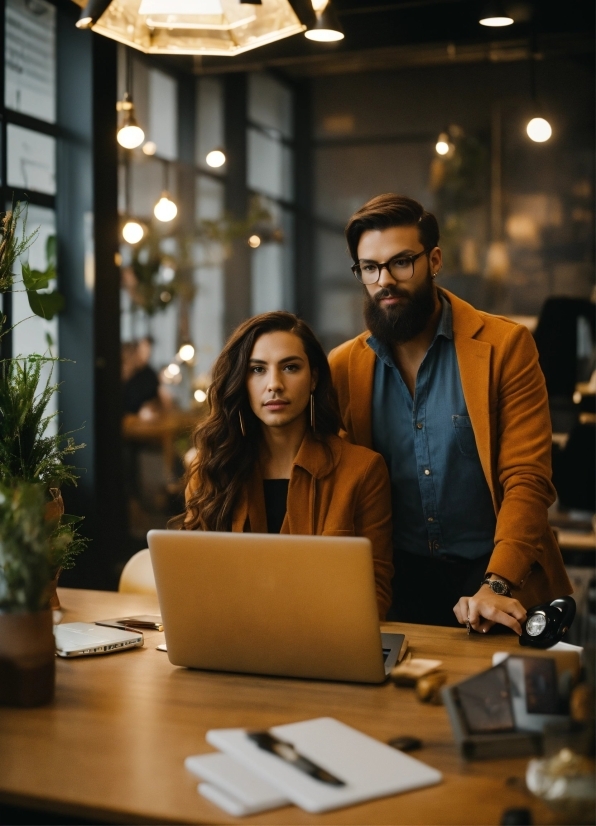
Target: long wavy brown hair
(226, 457)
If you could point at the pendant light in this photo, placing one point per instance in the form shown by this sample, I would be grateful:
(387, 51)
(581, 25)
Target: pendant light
(192, 27)
(495, 15)
(132, 231)
(216, 158)
(538, 129)
(130, 135)
(165, 209)
(326, 28)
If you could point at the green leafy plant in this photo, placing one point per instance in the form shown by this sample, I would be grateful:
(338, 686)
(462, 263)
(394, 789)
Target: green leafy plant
(30, 544)
(43, 301)
(27, 452)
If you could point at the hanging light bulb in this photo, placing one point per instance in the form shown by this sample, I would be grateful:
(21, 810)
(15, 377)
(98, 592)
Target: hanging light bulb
(165, 209)
(186, 352)
(132, 231)
(443, 144)
(130, 135)
(149, 148)
(326, 28)
(216, 158)
(254, 241)
(539, 130)
(495, 16)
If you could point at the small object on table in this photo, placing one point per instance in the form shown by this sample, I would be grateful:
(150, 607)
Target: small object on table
(565, 782)
(428, 688)
(136, 623)
(468, 626)
(405, 743)
(516, 817)
(410, 670)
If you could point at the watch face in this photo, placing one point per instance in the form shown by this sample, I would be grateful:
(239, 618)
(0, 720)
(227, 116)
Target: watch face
(536, 624)
(498, 587)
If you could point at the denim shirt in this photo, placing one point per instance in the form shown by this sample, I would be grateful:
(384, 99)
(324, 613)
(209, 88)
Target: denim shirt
(441, 500)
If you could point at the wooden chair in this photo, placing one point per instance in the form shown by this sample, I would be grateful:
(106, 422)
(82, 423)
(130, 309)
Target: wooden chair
(137, 576)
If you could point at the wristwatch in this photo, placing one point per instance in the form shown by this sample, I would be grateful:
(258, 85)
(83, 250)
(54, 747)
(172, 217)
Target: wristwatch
(498, 586)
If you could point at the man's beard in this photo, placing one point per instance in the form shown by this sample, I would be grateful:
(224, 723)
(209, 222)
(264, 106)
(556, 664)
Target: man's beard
(399, 323)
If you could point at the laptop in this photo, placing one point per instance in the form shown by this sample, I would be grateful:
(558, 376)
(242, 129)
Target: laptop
(277, 604)
(80, 639)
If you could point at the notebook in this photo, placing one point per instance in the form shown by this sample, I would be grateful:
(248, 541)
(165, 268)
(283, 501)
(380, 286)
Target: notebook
(279, 604)
(367, 767)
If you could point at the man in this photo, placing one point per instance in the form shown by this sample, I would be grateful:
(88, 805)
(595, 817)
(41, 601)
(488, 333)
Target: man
(455, 401)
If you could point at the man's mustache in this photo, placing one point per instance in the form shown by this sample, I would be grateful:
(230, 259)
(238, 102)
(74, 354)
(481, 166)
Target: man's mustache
(390, 292)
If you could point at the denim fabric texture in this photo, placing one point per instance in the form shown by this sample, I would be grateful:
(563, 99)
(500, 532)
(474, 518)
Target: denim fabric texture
(441, 501)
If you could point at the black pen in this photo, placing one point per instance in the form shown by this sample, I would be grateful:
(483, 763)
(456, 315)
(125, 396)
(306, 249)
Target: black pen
(286, 751)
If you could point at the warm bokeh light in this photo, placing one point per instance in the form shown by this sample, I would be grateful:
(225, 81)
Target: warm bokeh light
(442, 147)
(172, 370)
(165, 209)
(496, 22)
(84, 23)
(150, 148)
(254, 241)
(132, 232)
(130, 136)
(200, 396)
(324, 35)
(186, 352)
(216, 158)
(539, 130)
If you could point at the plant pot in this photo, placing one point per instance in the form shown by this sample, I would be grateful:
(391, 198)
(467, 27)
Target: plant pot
(53, 598)
(27, 659)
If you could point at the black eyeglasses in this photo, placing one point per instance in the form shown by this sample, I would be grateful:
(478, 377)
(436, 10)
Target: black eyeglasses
(400, 267)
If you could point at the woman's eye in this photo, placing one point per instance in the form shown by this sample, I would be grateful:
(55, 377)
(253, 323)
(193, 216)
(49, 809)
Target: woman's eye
(256, 369)
(292, 367)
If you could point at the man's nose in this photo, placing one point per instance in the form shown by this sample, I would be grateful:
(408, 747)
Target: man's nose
(385, 277)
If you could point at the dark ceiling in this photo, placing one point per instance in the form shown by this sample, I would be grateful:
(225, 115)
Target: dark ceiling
(383, 35)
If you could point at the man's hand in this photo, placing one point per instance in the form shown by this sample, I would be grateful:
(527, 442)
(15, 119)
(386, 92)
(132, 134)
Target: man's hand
(486, 608)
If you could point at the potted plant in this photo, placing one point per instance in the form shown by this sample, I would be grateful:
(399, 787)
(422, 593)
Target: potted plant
(37, 539)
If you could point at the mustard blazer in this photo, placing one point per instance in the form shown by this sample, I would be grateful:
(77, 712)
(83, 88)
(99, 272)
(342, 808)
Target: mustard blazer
(506, 398)
(343, 491)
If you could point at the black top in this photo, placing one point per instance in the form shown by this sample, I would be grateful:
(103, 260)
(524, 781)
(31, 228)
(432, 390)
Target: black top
(276, 495)
(140, 388)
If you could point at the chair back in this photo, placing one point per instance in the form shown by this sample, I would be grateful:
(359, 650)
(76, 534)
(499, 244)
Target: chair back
(137, 576)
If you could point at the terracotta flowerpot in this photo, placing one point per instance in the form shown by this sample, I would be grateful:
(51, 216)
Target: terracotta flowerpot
(27, 659)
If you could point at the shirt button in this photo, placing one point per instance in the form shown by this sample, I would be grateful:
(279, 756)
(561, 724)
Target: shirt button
(427, 472)
(419, 425)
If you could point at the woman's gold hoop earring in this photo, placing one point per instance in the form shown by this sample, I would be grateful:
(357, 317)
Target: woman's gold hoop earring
(312, 411)
(242, 429)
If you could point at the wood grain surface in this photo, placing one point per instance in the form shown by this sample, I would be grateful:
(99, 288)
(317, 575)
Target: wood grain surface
(112, 745)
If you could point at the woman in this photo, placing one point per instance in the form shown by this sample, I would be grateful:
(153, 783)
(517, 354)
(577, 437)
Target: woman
(269, 458)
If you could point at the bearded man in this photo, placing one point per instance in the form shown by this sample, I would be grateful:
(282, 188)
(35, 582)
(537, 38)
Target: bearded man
(454, 400)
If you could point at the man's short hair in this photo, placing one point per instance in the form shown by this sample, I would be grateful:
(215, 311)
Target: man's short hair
(392, 210)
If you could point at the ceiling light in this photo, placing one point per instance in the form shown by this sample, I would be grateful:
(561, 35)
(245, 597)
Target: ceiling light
(130, 135)
(254, 241)
(443, 144)
(91, 13)
(201, 27)
(327, 27)
(495, 16)
(216, 158)
(165, 209)
(539, 130)
(132, 232)
(186, 352)
(149, 148)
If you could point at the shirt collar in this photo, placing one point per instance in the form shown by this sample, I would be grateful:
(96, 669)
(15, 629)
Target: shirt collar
(444, 328)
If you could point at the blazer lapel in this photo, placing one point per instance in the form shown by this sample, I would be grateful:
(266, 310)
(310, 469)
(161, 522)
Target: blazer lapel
(474, 360)
(361, 373)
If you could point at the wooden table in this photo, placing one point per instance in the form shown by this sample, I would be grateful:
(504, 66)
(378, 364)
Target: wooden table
(112, 745)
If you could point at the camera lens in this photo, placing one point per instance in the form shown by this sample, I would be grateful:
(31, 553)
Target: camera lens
(536, 624)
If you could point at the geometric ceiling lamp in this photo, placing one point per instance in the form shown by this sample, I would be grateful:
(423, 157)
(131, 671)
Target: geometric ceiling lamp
(495, 16)
(326, 28)
(193, 27)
